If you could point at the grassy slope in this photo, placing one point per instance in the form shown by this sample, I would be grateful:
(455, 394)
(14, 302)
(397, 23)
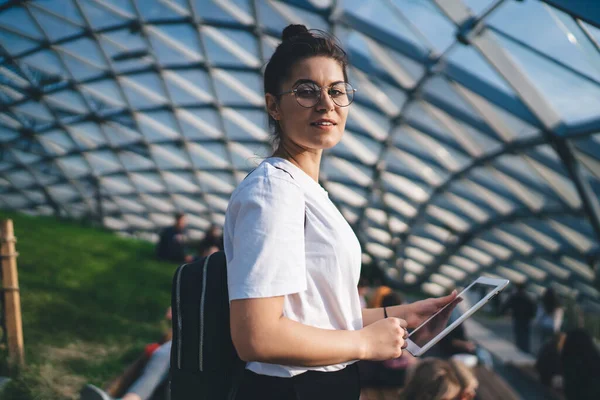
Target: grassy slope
(90, 301)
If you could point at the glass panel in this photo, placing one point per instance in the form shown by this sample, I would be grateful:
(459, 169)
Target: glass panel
(64, 8)
(98, 16)
(86, 49)
(245, 125)
(211, 11)
(143, 90)
(209, 155)
(438, 87)
(467, 59)
(103, 162)
(16, 44)
(200, 124)
(174, 44)
(54, 28)
(189, 86)
(520, 19)
(156, 10)
(46, 62)
(67, 99)
(269, 18)
(478, 6)
(228, 46)
(87, 135)
(425, 17)
(103, 92)
(312, 20)
(158, 126)
(387, 19)
(169, 157)
(574, 97)
(17, 19)
(80, 69)
(135, 162)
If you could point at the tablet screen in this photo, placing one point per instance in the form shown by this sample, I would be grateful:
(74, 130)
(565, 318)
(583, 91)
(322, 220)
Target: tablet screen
(430, 329)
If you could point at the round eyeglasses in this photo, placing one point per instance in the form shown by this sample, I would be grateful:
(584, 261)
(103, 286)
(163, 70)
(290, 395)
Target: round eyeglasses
(308, 95)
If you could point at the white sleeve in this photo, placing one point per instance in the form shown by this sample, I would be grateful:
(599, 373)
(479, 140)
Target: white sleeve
(265, 224)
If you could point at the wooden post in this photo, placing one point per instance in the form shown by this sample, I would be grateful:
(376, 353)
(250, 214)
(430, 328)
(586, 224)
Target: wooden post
(12, 298)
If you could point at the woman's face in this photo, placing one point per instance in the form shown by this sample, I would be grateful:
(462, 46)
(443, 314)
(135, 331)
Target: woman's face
(318, 127)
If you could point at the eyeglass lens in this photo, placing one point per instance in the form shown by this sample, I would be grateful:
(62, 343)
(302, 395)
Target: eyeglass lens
(309, 94)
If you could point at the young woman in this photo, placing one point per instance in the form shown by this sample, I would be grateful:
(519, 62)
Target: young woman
(293, 261)
(435, 379)
(549, 317)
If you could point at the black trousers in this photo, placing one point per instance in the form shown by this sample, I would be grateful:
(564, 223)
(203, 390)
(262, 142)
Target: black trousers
(311, 385)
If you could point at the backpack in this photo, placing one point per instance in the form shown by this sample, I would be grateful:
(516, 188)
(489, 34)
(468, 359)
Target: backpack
(204, 362)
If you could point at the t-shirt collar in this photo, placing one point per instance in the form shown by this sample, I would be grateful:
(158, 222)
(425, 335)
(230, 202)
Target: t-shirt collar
(302, 177)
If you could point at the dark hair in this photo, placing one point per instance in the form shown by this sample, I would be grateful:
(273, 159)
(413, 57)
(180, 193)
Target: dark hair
(392, 299)
(179, 215)
(299, 43)
(550, 301)
(430, 379)
(580, 365)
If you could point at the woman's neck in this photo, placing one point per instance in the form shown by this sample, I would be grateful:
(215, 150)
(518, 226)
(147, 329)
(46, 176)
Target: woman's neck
(308, 161)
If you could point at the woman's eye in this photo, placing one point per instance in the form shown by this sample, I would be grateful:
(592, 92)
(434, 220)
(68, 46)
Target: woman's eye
(306, 93)
(336, 92)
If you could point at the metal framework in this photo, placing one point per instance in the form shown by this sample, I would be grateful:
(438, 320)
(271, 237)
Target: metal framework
(474, 143)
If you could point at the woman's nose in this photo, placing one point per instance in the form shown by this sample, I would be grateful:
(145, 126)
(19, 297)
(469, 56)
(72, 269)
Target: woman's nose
(325, 102)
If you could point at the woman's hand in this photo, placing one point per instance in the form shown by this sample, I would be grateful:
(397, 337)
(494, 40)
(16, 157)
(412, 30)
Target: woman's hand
(418, 312)
(384, 339)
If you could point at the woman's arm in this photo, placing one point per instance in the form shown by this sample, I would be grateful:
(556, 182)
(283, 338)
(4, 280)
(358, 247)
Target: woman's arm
(260, 332)
(414, 313)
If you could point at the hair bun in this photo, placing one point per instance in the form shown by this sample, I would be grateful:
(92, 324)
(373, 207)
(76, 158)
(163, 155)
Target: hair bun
(292, 30)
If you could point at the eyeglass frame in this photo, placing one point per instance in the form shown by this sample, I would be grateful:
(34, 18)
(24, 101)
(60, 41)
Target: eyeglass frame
(295, 92)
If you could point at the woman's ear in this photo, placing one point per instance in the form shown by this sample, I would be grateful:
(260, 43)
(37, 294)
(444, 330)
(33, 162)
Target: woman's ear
(272, 106)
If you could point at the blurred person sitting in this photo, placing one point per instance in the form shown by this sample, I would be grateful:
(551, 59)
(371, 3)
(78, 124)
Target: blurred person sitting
(435, 379)
(580, 362)
(549, 317)
(523, 310)
(212, 241)
(570, 362)
(171, 243)
(153, 376)
(548, 364)
(377, 296)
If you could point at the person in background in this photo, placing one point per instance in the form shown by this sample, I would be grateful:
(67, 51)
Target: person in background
(549, 317)
(435, 379)
(570, 362)
(171, 243)
(523, 310)
(212, 241)
(580, 364)
(377, 296)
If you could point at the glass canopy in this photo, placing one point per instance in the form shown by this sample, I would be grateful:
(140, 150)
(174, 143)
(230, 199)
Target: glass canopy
(473, 145)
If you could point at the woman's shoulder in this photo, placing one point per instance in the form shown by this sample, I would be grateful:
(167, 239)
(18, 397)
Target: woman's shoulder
(267, 179)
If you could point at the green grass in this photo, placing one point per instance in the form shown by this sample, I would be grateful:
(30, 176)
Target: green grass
(90, 301)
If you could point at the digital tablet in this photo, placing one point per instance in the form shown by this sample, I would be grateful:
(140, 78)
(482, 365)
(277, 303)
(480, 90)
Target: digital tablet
(436, 327)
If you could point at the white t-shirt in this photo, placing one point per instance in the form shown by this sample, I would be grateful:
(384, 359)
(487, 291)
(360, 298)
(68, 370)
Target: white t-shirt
(284, 237)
